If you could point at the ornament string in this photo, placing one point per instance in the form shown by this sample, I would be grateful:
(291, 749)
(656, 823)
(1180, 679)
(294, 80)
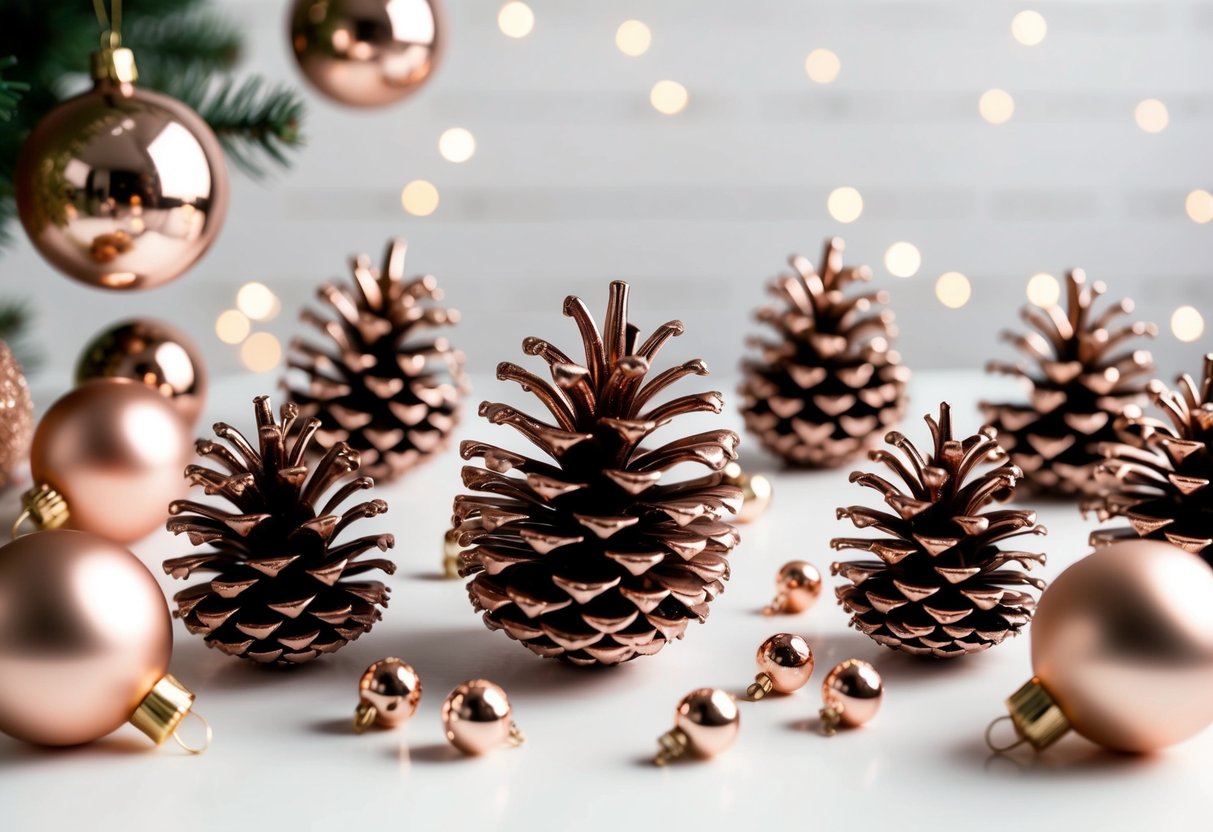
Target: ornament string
(206, 743)
(1002, 749)
(111, 24)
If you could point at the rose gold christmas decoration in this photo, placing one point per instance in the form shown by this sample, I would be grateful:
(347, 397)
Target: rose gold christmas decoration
(153, 353)
(797, 588)
(851, 696)
(1080, 376)
(367, 53)
(1157, 474)
(829, 384)
(940, 586)
(756, 492)
(87, 642)
(785, 663)
(388, 695)
(284, 589)
(706, 723)
(598, 555)
(104, 460)
(377, 381)
(478, 718)
(1122, 651)
(16, 416)
(121, 187)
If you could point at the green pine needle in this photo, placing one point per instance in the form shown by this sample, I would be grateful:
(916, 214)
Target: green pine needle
(10, 91)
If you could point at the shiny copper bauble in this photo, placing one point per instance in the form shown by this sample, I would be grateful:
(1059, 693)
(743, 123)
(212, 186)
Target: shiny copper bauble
(1122, 641)
(388, 694)
(16, 415)
(797, 588)
(116, 452)
(710, 720)
(786, 662)
(367, 53)
(85, 634)
(851, 695)
(153, 353)
(121, 187)
(756, 492)
(477, 717)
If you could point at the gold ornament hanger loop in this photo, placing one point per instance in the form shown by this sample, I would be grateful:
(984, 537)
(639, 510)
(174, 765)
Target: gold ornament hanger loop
(1002, 749)
(111, 24)
(199, 749)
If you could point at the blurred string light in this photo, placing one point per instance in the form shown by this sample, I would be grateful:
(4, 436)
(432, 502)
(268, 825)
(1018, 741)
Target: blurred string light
(1199, 206)
(1187, 324)
(845, 204)
(902, 259)
(633, 38)
(668, 97)
(457, 144)
(1043, 289)
(953, 289)
(516, 20)
(822, 66)
(996, 106)
(232, 326)
(1151, 115)
(419, 198)
(1029, 27)
(261, 352)
(258, 302)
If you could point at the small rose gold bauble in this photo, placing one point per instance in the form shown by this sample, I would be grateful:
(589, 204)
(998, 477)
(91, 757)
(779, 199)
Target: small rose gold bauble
(785, 663)
(477, 717)
(367, 53)
(1122, 641)
(85, 634)
(115, 451)
(16, 415)
(388, 692)
(121, 188)
(756, 492)
(851, 694)
(797, 588)
(154, 353)
(710, 720)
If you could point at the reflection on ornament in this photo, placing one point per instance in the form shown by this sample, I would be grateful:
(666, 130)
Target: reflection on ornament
(105, 459)
(1122, 651)
(706, 723)
(86, 641)
(16, 415)
(151, 352)
(121, 187)
(367, 53)
(477, 716)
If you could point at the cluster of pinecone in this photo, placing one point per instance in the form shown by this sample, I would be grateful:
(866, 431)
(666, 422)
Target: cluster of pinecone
(595, 551)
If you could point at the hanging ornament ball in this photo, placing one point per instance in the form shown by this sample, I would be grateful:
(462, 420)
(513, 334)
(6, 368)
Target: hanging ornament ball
(16, 415)
(478, 718)
(388, 695)
(121, 187)
(1122, 650)
(113, 452)
(151, 352)
(85, 641)
(367, 53)
(851, 695)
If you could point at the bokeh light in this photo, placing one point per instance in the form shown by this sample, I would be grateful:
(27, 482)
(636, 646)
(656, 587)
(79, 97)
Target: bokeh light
(1043, 289)
(232, 326)
(633, 38)
(1029, 27)
(669, 97)
(257, 301)
(1151, 115)
(1187, 324)
(261, 352)
(953, 289)
(845, 204)
(902, 259)
(457, 144)
(996, 106)
(822, 66)
(1199, 206)
(516, 20)
(419, 198)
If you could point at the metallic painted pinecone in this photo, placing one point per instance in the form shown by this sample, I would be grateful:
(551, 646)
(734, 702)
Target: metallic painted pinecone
(1158, 474)
(595, 556)
(830, 385)
(1079, 381)
(281, 591)
(390, 397)
(941, 586)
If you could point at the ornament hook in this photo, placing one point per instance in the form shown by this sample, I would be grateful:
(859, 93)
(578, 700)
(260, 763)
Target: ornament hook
(200, 749)
(1002, 749)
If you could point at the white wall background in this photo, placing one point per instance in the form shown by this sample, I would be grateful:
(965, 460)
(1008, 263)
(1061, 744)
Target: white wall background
(578, 180)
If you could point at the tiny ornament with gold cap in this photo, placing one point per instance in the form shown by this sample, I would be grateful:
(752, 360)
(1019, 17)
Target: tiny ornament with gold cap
(121, 187)
(1122, 652)
(785, 663)
(104, 459)
(797, 588)
(388, 695)
(851, 695)
(74, 664)
(756, 491)
(477, 718)
(706, 723)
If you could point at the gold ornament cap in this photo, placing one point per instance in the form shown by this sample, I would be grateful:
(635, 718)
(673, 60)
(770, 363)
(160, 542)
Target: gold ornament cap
(44, 507)
(160, 713)
(1036, 715)
(113, 63)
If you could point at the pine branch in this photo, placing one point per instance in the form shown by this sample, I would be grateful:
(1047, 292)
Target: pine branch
(166, 47)
(253, 121)
(10, 91)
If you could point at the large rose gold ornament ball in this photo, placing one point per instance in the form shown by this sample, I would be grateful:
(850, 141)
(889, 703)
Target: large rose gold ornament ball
(121, 187)
(797, 588)
(785, 663)
(153, 353)
(851, 695)
(116, 452)
(85, 634)
(710, 720)
(16, 415)
(1123, 641)
(367, 53)
(477, 718)
(388, 695)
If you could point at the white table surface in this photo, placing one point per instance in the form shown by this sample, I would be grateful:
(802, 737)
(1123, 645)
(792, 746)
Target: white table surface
(284, 756)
